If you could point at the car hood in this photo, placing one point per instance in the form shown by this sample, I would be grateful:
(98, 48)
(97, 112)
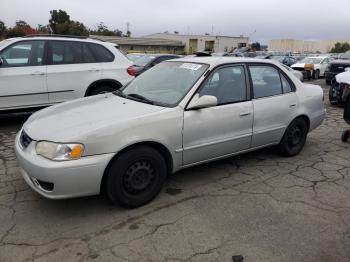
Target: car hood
(343, 77)
(69, 121)
(298, 65)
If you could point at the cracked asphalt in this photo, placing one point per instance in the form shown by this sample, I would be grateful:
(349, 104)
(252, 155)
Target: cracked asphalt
(259, 205)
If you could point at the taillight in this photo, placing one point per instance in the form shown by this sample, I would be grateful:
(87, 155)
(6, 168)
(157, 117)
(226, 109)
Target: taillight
(131, 70)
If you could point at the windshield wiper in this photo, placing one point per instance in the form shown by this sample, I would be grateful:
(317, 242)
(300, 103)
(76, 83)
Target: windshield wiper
(142, 98)
(119, 93)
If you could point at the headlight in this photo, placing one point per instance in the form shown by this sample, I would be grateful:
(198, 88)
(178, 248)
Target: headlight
(59, 152)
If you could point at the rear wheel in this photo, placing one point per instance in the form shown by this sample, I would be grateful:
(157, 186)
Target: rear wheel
(316, 74)
(345, 136)
(136, 177)
(101, 90)
(328, 82)
(294, 138)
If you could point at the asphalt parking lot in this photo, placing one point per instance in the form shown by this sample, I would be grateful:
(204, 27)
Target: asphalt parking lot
(258, 205)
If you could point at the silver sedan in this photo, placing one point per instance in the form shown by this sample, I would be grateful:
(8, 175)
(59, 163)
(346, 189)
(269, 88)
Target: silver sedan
(178, 114)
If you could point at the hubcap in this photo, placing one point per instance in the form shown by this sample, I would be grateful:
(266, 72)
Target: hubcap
(294, 136)
(138, 177)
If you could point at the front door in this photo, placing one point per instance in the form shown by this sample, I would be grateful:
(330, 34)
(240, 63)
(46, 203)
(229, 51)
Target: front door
(224, 129)
(23, 75)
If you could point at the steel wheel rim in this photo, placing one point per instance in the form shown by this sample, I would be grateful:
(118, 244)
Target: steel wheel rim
(139, 177)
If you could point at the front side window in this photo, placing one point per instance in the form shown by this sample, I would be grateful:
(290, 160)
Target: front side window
(64, 52)
(26, 53)
(167, 83)
(266, 81)
(227, 84)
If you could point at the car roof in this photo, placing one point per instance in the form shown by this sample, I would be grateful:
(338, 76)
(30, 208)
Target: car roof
(218, 60)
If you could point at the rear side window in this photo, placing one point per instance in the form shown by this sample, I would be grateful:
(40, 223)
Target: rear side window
(64, 52)
(101, 53)
(88, 55)
(268, 81)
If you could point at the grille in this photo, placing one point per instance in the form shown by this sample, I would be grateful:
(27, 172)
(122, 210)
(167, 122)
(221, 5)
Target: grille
(25, 139)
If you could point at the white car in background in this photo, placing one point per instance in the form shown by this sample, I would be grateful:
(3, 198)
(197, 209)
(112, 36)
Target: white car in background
(38, 71)
(312, 66)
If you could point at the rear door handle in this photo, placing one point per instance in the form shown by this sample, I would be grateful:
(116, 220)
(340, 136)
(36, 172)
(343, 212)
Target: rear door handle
(245, 113)
(94, 70)
(38, 73)
(292, 105)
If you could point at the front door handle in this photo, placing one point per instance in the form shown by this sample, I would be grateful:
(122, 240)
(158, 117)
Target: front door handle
(94, 70)
(292, 105)
(38, 73)
(245, 113)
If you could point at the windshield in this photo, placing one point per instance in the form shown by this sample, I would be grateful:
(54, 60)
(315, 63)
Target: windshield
(134, 57)
(278, 58)
(311, 60)
(3, 43)
(167, 83)
(143, 60)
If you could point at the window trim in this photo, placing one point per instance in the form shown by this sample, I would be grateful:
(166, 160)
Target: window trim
(279, 71)
(49, 52)
(212, 71)
(45, 56)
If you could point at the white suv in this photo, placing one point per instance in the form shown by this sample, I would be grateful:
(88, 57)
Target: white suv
(44, 70)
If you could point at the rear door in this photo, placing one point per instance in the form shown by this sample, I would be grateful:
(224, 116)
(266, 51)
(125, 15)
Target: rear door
(274, 101)
(72, 68)
(23, 75)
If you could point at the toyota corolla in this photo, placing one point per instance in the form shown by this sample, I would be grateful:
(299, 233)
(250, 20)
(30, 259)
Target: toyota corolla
(178, 114)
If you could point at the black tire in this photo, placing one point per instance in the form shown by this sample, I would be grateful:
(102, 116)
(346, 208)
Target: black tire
(102, 89)
(316, 75)
(332, 100)
(328, 82)
(345, 136)
(136, 177)
(294, 138)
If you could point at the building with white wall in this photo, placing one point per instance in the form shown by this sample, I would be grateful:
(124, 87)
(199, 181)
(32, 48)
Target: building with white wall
(300, 46)
(214, 43)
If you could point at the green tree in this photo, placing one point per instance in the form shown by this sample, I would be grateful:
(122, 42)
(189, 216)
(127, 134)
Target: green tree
(102, 29)
(340, 48)
(3, 30)
(61, 24)
(58, 17)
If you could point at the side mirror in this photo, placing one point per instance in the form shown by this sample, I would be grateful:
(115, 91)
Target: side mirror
(202, 102)
(347, 69)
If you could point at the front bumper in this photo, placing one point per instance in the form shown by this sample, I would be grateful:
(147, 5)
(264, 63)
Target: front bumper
(61, 179)
(329, 75)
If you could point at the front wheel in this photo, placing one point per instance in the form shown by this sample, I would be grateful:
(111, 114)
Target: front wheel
(294, 138)
(102, 89)
(136, 177)
(316, 74)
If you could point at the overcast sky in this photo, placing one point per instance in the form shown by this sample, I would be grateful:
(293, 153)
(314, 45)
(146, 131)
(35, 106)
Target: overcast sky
(300, 19)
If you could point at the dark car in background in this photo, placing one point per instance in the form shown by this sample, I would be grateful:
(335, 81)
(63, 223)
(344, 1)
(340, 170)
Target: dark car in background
(286, 60)
(147, 61)
(336, 67)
